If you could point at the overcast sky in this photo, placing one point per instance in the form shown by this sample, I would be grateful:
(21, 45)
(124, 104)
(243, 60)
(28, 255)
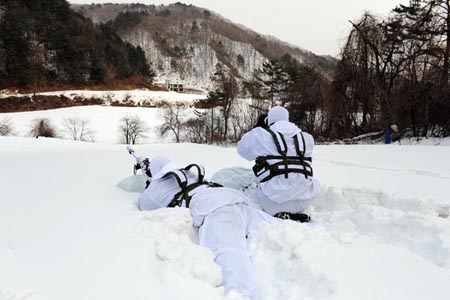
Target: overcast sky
(320, 26)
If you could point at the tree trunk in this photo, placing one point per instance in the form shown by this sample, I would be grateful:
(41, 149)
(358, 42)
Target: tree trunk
(445, 67)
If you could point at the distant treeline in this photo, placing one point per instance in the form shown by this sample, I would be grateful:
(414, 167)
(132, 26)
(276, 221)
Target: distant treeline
(396, 71)
(43, 42)
(393, 71)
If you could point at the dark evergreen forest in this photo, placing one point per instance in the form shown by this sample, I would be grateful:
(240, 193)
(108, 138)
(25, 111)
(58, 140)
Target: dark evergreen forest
(45, 42)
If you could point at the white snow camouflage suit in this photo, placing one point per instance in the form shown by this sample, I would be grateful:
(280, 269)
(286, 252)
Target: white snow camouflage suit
(295, 193)
(222, 216)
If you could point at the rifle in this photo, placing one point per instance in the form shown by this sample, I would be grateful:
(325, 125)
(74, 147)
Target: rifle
(143, 165)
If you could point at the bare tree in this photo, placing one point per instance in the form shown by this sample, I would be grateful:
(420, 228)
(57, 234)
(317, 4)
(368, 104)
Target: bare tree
(132, 129)
(173, 119)
(196, 130)
(6, 127)
(78, 129)
(306, 92)
(43, 127)
(395, 71)
(243, 117)
(363, 89)
(226, 90)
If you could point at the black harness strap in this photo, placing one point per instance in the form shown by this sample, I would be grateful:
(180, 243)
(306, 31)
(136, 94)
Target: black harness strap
(306, 159)
(281, 151)
(182, 181)
(286, 172)
(304, 143)
(200, 171)
(301, 154)
(179, 175)
(277, 142)
(297, 145)
(283, 166)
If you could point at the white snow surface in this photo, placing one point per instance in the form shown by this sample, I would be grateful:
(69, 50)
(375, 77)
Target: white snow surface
(137, 96)
(381, 230)
(429, 141)
(104, 121)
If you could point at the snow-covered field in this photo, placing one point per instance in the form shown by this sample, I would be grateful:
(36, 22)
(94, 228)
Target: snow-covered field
(381, 231)
(104, 121)
(137, 96)
(432, 141)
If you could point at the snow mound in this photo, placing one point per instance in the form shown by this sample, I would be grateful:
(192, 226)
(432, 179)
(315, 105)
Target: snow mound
(176, 245)
(278, 253)
(418, 226)
(7, 294)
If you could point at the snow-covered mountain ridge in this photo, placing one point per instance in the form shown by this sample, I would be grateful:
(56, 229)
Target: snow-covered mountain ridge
(184, 43)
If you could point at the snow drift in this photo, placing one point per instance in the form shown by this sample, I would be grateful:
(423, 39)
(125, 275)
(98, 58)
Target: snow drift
(381, 231)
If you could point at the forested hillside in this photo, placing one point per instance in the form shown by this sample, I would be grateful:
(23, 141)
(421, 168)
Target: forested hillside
(185, 42)
(45, 43)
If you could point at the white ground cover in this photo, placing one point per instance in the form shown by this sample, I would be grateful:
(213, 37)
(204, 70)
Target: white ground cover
(104, 121)
(381, 230)
(138, 96)
(424, 141)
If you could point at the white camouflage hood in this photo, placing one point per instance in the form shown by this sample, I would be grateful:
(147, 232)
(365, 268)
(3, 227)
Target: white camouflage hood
(286, 128)
(161, 165)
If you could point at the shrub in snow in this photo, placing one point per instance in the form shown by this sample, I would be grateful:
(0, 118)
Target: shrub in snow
(43, 127)
(6, 127)
(196, 131)
(78, 129)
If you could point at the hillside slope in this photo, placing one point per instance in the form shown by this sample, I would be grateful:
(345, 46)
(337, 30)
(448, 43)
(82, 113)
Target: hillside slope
(46, 43)
(184, 42)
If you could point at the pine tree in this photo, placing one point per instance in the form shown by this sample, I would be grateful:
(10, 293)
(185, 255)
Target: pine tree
(273, 77)
(15, 44)
(46, 41)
